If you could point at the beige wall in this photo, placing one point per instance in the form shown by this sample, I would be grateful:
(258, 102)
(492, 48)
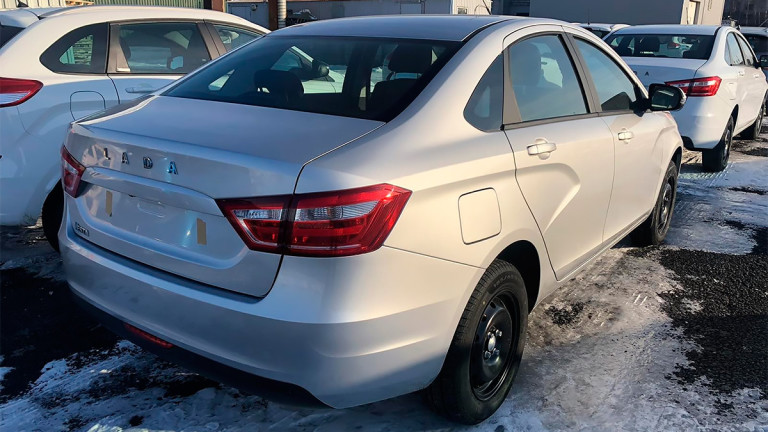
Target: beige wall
(630, 12)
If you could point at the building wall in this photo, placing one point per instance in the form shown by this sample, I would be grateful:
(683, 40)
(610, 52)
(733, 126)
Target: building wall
(631, 12)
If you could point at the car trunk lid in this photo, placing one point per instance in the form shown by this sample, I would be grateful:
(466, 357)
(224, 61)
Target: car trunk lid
(652, 70)
(152, 180)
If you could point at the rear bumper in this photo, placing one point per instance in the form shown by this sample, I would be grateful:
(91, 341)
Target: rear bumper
(702, 121)
(349, 331)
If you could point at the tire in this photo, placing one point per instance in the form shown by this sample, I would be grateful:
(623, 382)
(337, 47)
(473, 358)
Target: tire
(655, 228)
(53, 211)
(483, 358)
(716, 159)
(753, 131)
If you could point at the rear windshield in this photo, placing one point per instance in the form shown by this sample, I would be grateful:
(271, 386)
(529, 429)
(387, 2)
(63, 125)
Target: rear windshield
(371, 78)
(7, 33)
(662, 45)
(759, 43)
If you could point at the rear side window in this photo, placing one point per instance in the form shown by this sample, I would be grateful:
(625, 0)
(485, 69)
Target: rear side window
(233, 37)
(484, 108)
(544, 79)
(749, 59)
(81, 51)
(371, 78)
(7, 33)
(161, 48)
(697, 47)
(615, 90)
(733, 51)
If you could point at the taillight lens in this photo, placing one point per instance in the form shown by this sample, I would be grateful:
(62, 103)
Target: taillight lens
(699, 86)
(71, 172)
(15, 91)
(341, 223)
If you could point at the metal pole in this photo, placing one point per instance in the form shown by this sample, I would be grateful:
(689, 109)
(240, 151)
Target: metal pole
(281, 7)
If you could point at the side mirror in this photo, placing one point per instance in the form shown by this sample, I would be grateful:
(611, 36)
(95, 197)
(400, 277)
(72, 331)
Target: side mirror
(319, 69)
(764, 61)
(665, 97)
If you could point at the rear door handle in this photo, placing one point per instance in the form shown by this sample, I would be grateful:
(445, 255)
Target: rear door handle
(626, 135)
(541, 147)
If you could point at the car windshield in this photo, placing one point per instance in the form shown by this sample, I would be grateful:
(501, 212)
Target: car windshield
(662, 45)
(371, 78)
(7, 33)
(759, 43)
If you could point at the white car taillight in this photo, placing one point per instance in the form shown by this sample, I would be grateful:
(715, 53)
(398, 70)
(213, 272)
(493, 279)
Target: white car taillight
(71, 172)
(16, 91)
(699, 86)
(340, 223)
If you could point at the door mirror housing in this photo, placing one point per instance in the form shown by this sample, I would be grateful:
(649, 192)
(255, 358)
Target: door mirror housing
(664, 97)
(764, 61)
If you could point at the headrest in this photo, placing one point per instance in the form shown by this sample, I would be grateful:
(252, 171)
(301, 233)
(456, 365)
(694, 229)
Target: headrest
(411, 58)
(648, 43)
(525, 64)
(282, 85)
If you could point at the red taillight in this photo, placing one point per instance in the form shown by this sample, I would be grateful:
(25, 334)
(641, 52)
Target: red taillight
(71, 172)
(341, 223)
(148, 337)
(699, 86)
(15, 91)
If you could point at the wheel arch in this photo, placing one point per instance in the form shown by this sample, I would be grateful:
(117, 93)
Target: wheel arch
(523, 255)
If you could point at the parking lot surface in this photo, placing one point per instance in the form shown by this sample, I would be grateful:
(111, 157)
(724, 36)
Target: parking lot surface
(654, 339)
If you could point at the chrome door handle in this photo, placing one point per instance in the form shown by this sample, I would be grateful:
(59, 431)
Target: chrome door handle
(139, 90)
(756, 76)
(626, 135)
(541, 147)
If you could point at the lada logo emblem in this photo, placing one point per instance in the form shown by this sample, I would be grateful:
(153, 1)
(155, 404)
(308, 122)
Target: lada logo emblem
(147, 163)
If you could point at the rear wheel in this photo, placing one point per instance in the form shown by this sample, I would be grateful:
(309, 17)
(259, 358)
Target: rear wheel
(53, 211)
(655, 228)
(487, 347)
(753, 131)
(716, 159)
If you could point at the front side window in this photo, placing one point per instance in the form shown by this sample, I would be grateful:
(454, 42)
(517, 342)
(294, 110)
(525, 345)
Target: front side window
(484, 109)
(614, 89)
(233, 37)
(733, 51)
(374, 78)
(81, 51)
(544, 79)
(749, 59)
(697, 47)
(161, 48)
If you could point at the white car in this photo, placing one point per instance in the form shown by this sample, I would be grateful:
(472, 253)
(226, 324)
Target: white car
(59, 65)
(384, 236)
(718, 71)
(602, 30)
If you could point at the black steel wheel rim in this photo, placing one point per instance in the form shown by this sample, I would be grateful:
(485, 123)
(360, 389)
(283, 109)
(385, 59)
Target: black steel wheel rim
(667, 198)
(493, 352)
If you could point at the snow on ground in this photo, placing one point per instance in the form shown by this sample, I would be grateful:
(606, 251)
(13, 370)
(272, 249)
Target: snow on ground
(605, 353)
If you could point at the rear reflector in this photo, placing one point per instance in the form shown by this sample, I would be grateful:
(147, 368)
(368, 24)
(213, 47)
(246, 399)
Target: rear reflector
(15, 91)
(148, 337)
(341, 223)
(71, 172)
(699, 86)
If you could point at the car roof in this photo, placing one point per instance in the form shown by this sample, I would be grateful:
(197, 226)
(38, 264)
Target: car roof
(113, 12)
(754, 30)
(677, 29)
(23, 17)
(434, 27)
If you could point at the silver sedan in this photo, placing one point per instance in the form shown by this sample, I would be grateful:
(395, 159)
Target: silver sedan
(356, 209)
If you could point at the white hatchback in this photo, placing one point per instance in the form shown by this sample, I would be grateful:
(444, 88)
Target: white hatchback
(715, 67)
(60, 65)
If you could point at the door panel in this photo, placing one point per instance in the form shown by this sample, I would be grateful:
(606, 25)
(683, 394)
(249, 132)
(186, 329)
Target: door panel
(567, 189)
